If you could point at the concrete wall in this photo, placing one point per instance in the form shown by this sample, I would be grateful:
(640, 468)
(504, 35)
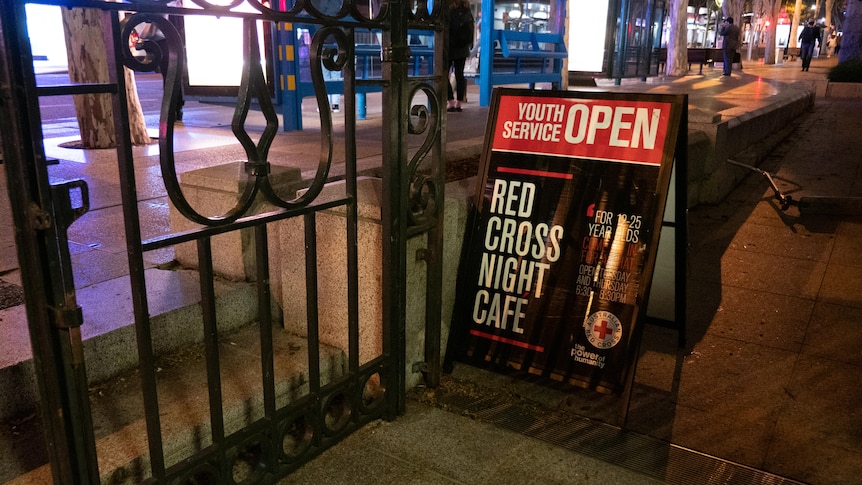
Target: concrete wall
(738, 134)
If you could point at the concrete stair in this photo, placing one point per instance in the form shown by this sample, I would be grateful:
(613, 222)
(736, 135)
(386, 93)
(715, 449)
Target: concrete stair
(109, 337)
(116, 397)
(118, 411)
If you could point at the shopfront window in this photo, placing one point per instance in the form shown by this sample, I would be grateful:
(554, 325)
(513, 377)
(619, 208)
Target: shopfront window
(638, 38)
(704, 18)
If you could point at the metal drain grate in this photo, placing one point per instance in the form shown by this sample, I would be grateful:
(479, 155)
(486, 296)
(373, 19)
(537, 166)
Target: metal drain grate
(654, 458)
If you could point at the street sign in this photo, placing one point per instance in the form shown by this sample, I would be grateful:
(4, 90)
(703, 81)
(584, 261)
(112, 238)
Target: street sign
(568, 216)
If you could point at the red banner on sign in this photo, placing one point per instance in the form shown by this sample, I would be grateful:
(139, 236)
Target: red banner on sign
(598, 129)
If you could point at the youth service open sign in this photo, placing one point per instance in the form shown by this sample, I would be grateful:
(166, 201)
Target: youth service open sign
(566, 230)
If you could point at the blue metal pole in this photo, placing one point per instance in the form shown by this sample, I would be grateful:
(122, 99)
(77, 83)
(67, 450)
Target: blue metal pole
(361, 110)
(486, 53)
(291, 106)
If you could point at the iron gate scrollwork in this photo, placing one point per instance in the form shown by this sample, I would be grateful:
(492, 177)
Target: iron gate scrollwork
(287, 434)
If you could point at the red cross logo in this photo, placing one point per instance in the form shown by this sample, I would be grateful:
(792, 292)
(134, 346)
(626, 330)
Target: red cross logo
(602, 329)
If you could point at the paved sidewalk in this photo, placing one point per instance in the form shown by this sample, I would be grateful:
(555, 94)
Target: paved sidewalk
(432, 446)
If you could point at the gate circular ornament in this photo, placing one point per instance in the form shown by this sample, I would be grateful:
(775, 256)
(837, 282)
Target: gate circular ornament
(603, 329)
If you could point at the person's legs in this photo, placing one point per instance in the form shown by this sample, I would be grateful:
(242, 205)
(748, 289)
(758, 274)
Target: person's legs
(450, 94)
(460, 81)
(728, 61)
(806, 52)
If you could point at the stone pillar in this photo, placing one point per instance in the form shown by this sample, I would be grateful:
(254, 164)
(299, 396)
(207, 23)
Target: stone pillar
(331, 238)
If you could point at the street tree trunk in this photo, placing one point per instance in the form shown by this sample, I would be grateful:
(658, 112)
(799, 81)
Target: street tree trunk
(87, 59)
(851, 43)
(733, 9)
(797, 18)
(677, 52)
(831, 28)
(773, 9)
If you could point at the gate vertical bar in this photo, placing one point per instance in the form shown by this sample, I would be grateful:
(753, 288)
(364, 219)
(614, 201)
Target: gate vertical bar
(54, 317)
(434, 262)
(23, 186)
(394, 211)
(352, 214)
(132, 228)
(264, 304)
(312, 310)
(210, 328)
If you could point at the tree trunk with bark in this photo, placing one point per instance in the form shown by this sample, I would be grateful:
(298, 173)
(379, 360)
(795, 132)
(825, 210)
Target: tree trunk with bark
(87, 59)
(733, 9)
(797, 19)
(677, 52)
(773, 9)
(851, 42)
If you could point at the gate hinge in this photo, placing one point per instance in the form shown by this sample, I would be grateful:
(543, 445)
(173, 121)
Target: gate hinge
(67, 317)
(40, 219)
(419, 367)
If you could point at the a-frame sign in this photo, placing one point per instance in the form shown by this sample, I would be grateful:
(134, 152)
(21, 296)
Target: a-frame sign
(560, 254)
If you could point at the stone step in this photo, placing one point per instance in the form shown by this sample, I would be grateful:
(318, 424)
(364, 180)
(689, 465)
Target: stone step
(109, 335)
(118, 412)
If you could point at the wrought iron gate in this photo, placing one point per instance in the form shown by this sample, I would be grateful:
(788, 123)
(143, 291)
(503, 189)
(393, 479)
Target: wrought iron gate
(291, 431)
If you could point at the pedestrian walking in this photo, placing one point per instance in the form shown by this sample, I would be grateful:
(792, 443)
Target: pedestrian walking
(730, 35)
(461, 28)
(810, 34)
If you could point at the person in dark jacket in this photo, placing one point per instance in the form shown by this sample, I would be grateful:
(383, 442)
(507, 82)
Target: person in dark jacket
(461, 27)
(730, 34)
(810, 34)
